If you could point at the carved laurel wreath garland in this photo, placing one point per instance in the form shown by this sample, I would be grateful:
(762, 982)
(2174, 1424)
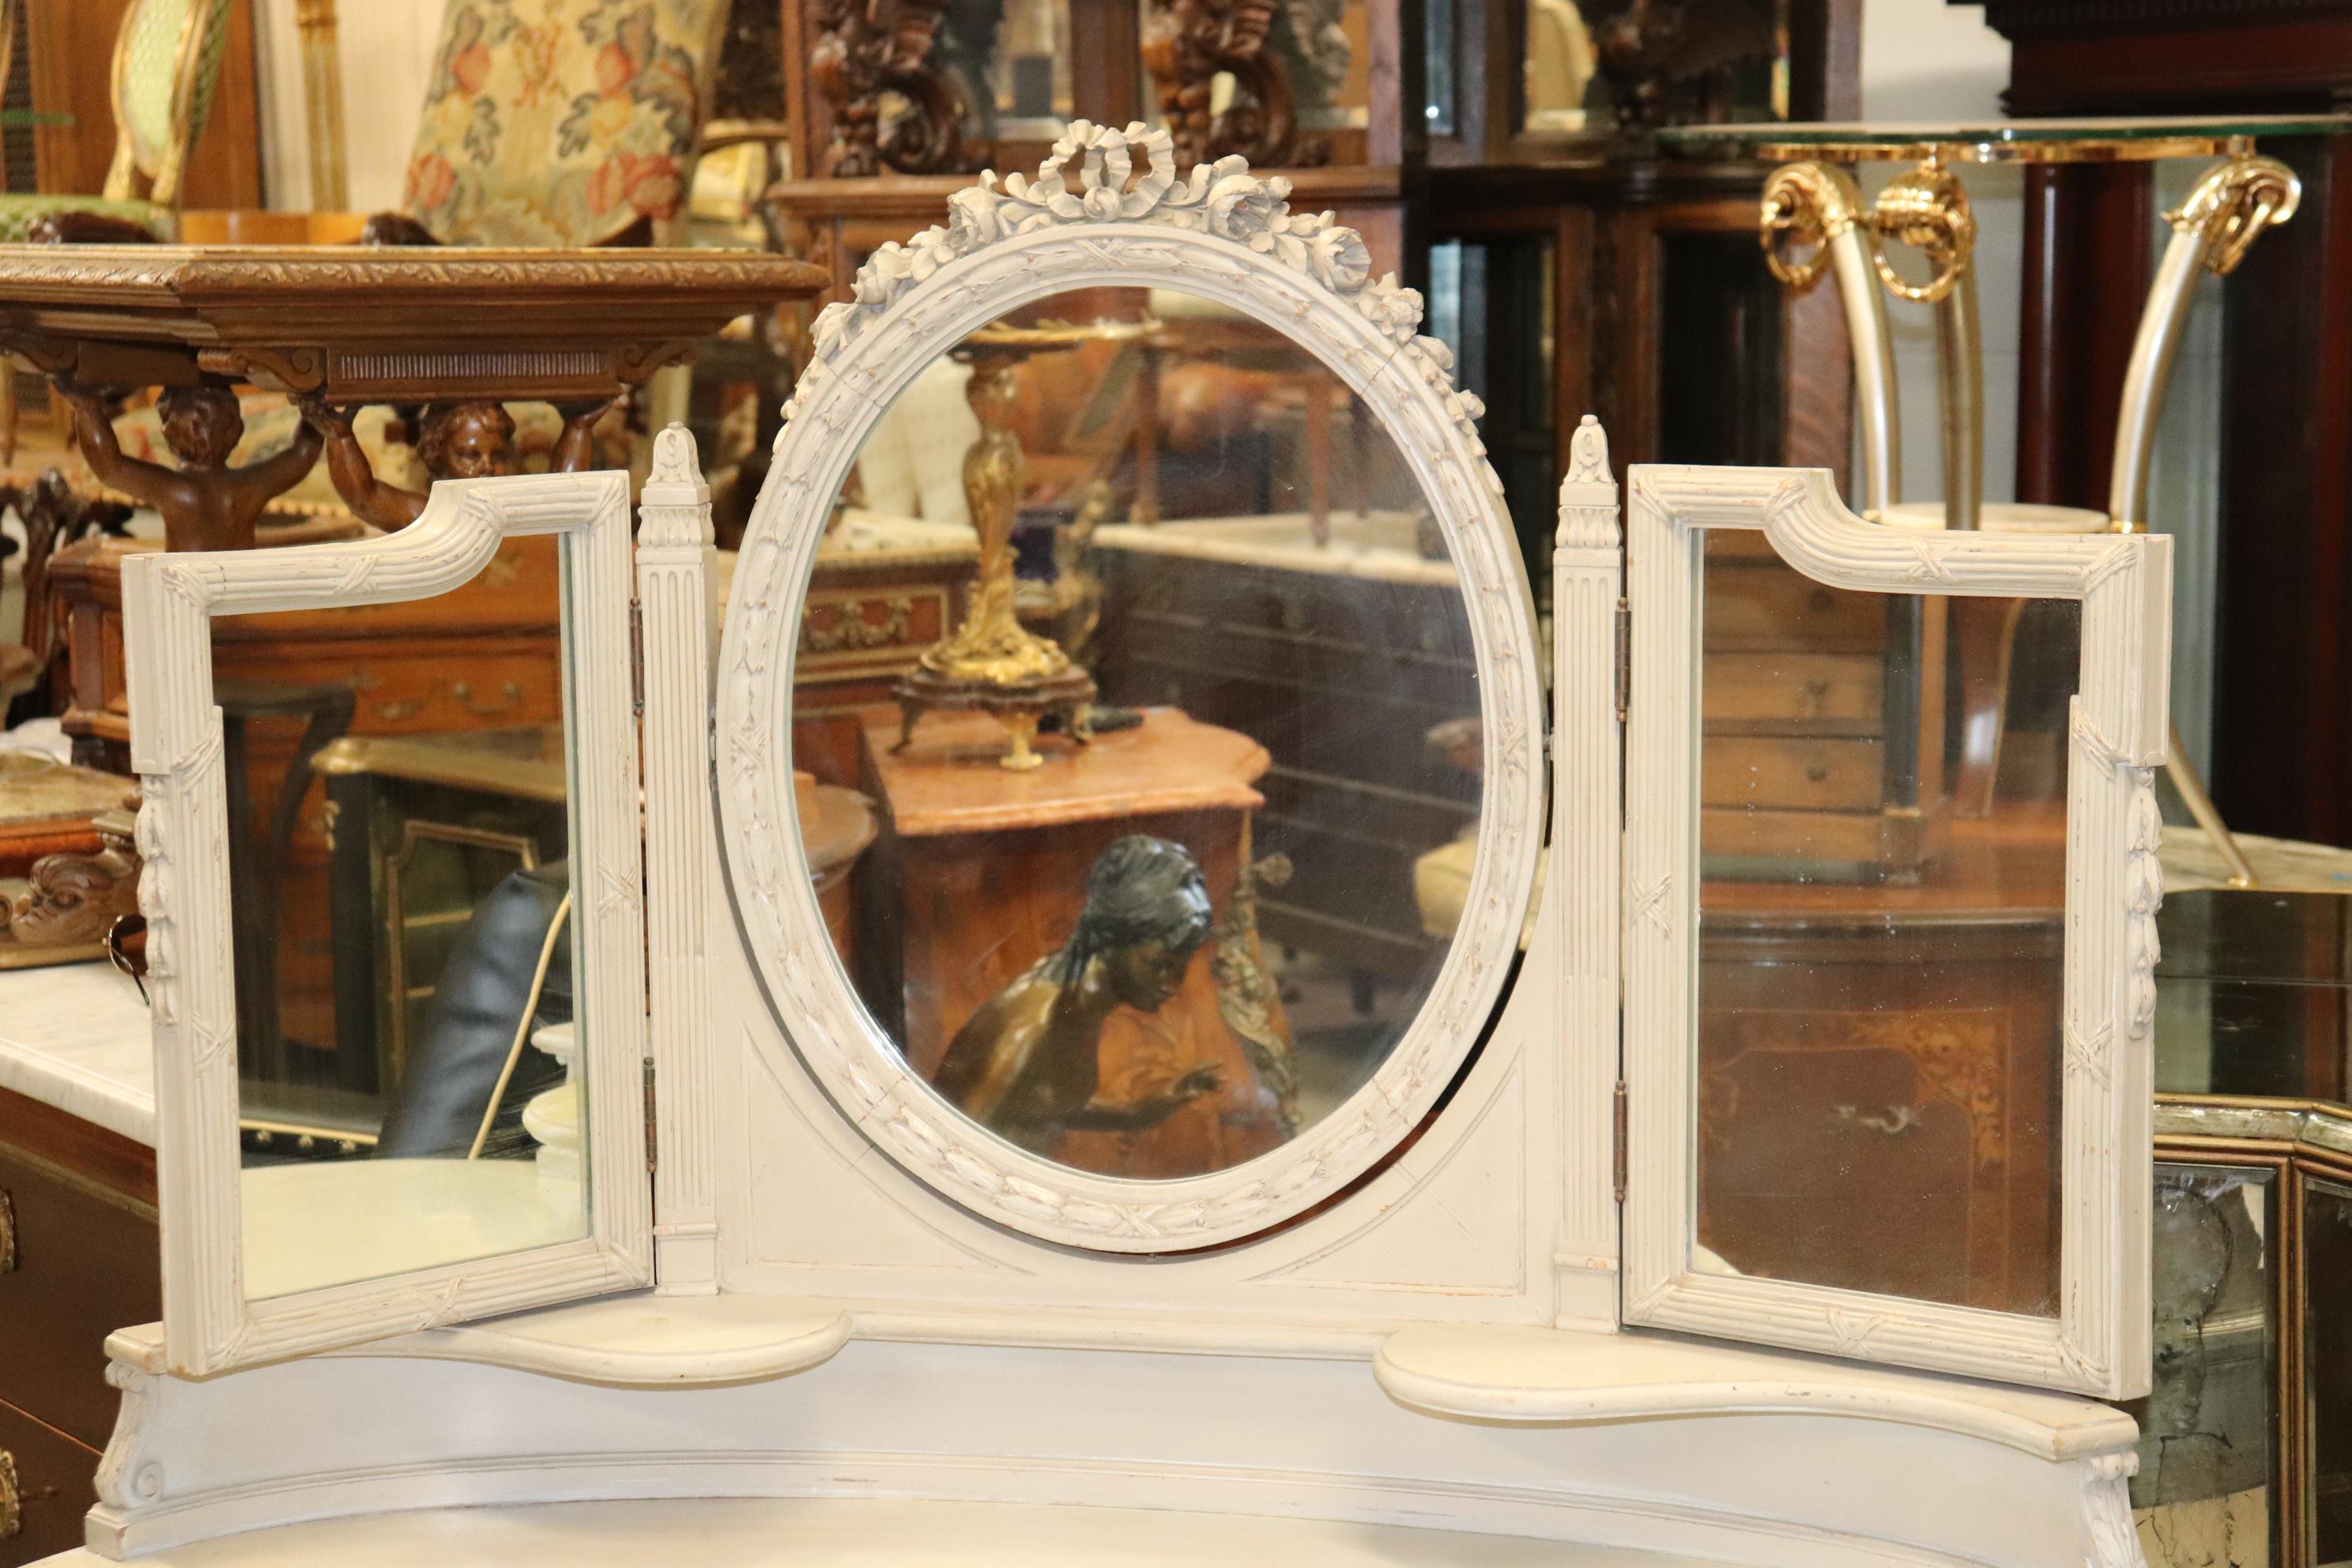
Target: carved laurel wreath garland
(853, 342)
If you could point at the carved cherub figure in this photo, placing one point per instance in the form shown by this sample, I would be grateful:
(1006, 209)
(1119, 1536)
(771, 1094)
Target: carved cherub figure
(205, 504)
(469, 440)
(1024, 1065)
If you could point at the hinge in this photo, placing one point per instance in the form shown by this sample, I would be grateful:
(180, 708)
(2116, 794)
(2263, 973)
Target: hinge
(637, 660)
(1624, 657)
(1617, 1143)
(653, 1151)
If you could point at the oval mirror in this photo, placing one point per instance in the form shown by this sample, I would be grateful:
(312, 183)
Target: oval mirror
(1155, 753)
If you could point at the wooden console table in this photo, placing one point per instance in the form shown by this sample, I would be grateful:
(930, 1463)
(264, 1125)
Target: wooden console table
(378, 324)
(361, 324)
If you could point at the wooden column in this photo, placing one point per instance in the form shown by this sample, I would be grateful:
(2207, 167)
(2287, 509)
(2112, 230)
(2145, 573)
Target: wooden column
(2282, 714)
(2085, 277)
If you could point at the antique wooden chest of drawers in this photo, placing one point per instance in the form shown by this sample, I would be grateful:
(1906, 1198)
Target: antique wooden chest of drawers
(78, 1260)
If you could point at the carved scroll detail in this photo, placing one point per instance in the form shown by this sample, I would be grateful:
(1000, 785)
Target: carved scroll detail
(1187, 44)
(865, 48)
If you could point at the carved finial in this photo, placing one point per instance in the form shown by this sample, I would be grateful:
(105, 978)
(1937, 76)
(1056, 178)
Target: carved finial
(675, 459)
(1588, 453)
(674, 506)
(1588, 496)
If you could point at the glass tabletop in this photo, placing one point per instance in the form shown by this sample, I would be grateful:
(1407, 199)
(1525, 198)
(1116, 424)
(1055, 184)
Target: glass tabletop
(1998, 141)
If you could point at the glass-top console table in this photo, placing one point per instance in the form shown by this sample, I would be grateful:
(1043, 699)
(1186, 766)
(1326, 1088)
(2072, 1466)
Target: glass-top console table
(1813, 222)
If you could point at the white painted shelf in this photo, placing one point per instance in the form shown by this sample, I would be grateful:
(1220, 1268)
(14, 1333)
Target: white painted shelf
(638, 1341)
(1534, 1377)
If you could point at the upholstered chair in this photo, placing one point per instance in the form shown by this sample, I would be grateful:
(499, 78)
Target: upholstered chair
(559, 122)
(167, 57)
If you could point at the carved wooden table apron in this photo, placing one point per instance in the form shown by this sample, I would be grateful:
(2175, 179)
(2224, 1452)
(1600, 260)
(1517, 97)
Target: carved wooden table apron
(362, 324)
(365, 324)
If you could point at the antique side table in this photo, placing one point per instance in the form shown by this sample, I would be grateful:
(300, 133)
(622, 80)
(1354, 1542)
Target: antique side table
(362, 324)
(1809, 201)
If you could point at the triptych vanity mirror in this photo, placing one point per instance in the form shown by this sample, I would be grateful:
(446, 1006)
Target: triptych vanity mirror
(1127, 761)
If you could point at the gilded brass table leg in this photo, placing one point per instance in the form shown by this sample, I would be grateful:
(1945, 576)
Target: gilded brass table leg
(1928, 209)
(1814, 204)
(2200, 805)
(1959, 368)
(2212, 230)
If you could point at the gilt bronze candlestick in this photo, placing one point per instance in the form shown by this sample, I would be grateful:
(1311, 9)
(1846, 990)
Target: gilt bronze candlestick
(991, 662)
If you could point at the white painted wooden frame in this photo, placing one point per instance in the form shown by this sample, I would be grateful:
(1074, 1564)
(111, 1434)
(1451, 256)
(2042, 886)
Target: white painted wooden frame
(1227, 236)
(169, 601)
(2099, 1342)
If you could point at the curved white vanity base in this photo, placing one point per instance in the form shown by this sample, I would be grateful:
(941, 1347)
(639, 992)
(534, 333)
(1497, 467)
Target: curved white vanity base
(1775, 1462)
(834, 1534)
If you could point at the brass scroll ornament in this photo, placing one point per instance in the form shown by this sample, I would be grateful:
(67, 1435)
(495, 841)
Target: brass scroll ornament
(2233, 203)
(1810, 205)
(1814, 204)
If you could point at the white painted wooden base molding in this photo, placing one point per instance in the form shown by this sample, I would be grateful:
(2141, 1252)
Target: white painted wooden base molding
(1610, 1442)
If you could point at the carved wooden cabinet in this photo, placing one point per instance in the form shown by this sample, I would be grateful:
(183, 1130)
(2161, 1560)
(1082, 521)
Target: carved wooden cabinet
(759, 1249)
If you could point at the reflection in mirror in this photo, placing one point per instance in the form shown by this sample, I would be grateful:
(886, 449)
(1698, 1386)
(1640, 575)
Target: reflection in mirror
(1136, 733)
(2327, 1371)
(399, 905)
(1275, 94)
(1883, 841)
(2203, 1490)
(1595, 65)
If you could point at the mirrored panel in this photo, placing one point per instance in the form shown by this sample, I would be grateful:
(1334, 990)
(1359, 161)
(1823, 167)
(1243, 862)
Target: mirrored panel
(1291, 88)
(1138, 735)
(2203, 1491)
(1883, 846)
(1589, 65)
(399, 791)
(2326, 1378)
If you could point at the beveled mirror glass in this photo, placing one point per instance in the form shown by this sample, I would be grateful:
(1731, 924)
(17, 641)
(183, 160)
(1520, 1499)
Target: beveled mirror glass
(400, 904)
(1883, 843)
(1139, 734)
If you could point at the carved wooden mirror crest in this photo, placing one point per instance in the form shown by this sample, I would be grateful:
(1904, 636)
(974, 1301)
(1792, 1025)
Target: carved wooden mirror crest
(1146, 956)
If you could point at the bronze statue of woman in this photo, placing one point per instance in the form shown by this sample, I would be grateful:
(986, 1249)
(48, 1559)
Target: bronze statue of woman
(1024, 1065)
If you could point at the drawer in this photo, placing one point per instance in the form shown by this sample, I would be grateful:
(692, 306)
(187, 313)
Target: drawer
(1776, 607)
(86, 1264)
(55, 1485)
(1815, 694)
(1782, 770)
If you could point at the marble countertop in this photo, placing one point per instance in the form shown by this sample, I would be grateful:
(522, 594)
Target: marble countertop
(75, 1035)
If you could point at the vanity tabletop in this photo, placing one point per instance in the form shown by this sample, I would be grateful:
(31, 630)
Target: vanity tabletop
(75, 1037)
(784, 1533)
(947, 780)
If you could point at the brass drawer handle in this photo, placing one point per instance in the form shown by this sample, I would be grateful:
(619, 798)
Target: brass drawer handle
(8, 1232)
(512, 691)
(12, 1506)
